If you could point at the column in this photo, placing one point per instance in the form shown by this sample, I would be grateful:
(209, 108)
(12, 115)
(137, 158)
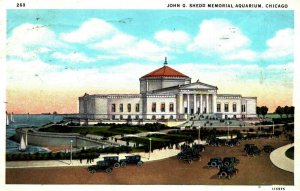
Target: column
(214, 103)
(207, 105)
(180, 104)
(201, 104)
(195, 104)
(188, 103)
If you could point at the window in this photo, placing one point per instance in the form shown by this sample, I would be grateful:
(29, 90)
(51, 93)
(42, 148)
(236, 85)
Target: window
(171, 107)
(129, 117)
(121, 107)
(113, 117)
(243, 108)
(153, 117)
(162, 107)
(171, 117)
(234, 107)
(218, 107)
(154, 107)
(121, 117)
(129, 107)
(136, 117)
(226, 107)
(137, 107)
(185, 110)
(113, 107)
(162, 117)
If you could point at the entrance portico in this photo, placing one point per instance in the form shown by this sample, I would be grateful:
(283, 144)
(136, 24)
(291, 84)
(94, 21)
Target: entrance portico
(196, 103)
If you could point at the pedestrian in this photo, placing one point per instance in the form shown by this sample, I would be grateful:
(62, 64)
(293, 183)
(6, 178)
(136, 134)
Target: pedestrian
(80, 158)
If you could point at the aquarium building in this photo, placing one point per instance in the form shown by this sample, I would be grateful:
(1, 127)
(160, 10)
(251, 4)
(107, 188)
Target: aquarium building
(167, 94)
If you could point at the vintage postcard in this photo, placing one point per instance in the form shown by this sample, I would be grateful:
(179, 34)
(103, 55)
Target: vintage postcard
(190, 94)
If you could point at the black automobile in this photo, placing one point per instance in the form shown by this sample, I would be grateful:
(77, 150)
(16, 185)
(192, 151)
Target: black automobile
(216, 142)
(232, 142)
(198, 147)
(253, 151)
(227, 171)
(228, 161)
(248, 146)
(134, 159)
(214, 162)
(112, 160)
(101, 166)
(268, 149)
(189, 155)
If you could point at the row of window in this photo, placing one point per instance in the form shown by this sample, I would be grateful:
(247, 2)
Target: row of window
(137, 117)
(121, 109)
(137, 107)
(162, 107)
(226, 107)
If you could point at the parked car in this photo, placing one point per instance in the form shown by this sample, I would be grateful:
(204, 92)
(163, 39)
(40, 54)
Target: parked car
(134, 159)
(253, 151)
(248, 146)
(189, 155)
(101, 166)
(112, 160)
(227, 171)
(232, 142)
(230, 161)
(214, 162)
(199, 147)
(268, 149)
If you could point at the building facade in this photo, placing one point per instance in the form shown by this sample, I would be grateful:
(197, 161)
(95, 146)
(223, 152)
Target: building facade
(167, 94)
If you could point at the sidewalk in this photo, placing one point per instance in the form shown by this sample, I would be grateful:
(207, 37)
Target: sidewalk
(279, 159)
(155, 155)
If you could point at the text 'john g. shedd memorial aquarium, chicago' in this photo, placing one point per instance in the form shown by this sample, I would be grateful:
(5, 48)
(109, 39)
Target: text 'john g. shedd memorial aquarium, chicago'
(226, 5)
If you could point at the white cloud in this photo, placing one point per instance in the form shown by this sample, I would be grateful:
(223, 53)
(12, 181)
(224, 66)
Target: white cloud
(247, 55)
(219, 36)
(27, 40)
(289, 66)
(281, 45)
(170, 38)
(144, 49)
(118, 41)
(73, 57)
(93, 29)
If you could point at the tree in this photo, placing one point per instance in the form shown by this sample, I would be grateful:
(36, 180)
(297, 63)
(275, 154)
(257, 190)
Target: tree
(286, 111)
(264, 110)
(291, 111)
(279, 111)
(258, 111)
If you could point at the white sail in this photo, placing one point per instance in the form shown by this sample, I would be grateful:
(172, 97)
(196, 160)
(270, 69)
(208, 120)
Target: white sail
(7, 119)
(12, 118)
(22, 146)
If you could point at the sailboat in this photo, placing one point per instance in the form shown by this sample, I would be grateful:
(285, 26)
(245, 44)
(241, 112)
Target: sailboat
(12, 117)
(7, 120)
(23, 143)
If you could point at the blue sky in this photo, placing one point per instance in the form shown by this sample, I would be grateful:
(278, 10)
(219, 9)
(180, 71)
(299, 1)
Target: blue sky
(81, 49)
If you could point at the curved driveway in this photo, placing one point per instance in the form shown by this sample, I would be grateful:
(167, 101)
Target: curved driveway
(280, 160)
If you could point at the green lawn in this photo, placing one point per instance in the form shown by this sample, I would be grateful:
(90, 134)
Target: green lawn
(290, 153)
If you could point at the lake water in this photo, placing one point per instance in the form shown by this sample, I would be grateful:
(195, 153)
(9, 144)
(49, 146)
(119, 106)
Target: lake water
(27, 121)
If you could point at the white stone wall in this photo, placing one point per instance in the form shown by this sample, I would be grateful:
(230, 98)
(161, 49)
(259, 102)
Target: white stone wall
(250, 103)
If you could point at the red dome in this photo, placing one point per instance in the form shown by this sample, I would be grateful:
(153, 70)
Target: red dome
(165, 71)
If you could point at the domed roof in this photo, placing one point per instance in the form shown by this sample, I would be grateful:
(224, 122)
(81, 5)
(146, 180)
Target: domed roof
(165, 71)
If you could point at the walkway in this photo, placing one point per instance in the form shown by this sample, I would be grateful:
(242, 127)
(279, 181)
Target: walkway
(279, 159)
(155, 155)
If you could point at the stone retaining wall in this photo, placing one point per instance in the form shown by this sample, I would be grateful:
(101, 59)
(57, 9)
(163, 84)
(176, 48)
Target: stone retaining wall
(57, 139)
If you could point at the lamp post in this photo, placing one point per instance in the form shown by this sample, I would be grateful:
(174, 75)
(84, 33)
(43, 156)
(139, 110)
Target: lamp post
(227, 130)
(199, 139)
(71, 152)
(273, 126)
(149, 147)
